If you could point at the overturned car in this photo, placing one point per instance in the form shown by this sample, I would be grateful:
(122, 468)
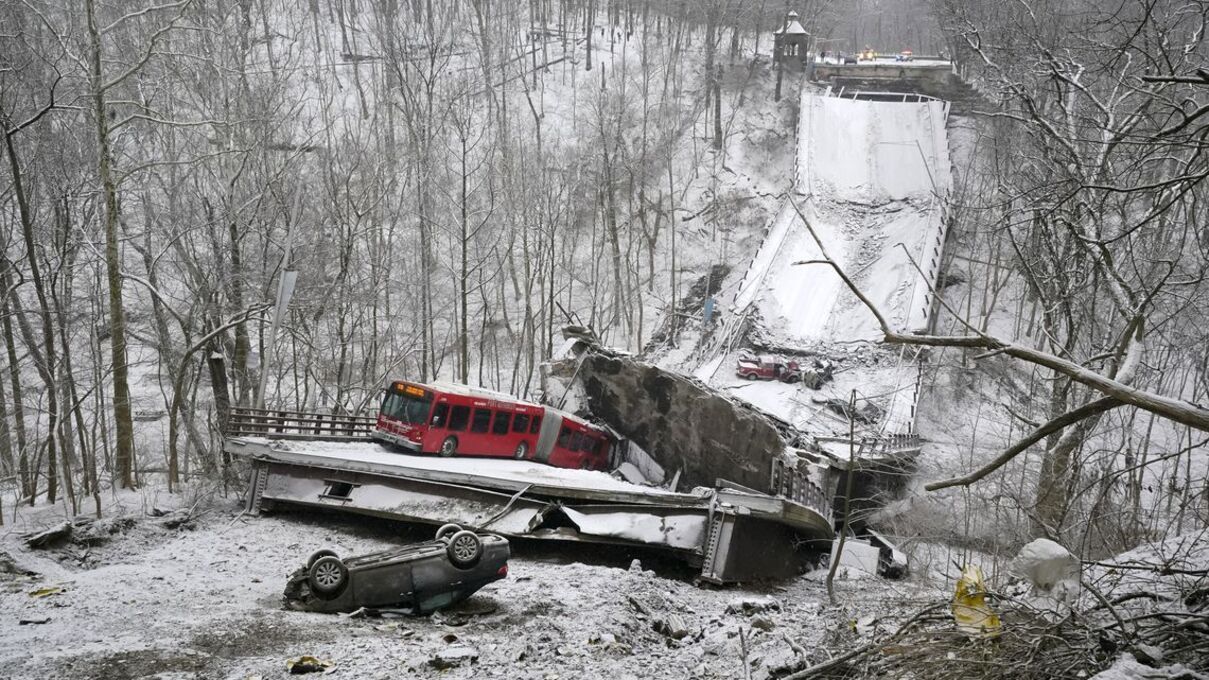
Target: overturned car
(419, 578)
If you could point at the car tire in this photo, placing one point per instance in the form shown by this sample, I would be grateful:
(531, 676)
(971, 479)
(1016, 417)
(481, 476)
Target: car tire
(750, 376)
(464, 549)
(522, 450)
(449, 447)
(447, 530)
(317, 554)
(328, 577)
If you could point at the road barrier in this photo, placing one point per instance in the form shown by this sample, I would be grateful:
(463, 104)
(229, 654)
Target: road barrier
(282, 424)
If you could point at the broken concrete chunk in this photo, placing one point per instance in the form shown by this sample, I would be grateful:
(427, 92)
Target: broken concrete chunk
(307, 664)
(453, 657)
(638, 605)
(752, 605)
(762, 623)
(672, 626)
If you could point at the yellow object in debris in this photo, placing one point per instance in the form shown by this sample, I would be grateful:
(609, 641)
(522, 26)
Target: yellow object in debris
(973, 615)
(307, 664)
(47, 591)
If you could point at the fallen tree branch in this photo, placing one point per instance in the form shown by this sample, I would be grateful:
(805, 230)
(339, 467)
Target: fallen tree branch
(818, 669)
(1061, 422)
(1176, 410)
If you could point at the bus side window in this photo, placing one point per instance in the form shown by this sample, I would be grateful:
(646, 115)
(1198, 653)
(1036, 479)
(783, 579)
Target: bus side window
(482, 420)
(520, 422)
(535, 425)
(564, 438)
(500, 426)
(458, 418)
(439, 414)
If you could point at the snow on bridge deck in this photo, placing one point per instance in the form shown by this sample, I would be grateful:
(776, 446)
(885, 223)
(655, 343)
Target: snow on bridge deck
(871, 177)
(504, 474)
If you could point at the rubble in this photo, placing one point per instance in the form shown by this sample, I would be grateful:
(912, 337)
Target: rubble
(672, 626)
(748, 606)
(307, 664)
(453, 657)
(685, 426)
(762, 623)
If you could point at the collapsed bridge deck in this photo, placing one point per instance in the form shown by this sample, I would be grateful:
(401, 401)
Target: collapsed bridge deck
(734, 534)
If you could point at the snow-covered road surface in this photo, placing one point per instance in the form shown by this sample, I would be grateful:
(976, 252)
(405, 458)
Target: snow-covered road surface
(870, 175)
(870, 181)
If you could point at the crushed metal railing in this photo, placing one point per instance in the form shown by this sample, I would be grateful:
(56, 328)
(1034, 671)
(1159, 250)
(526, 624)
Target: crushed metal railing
(285, 424)
(793, 484)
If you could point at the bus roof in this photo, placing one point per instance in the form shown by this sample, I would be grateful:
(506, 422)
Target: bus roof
(469, 391)
(464, 390)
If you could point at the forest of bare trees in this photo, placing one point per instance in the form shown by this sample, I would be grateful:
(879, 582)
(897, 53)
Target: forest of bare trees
(442, 186)
(218, 204)
(1090, 195)
(450, 183)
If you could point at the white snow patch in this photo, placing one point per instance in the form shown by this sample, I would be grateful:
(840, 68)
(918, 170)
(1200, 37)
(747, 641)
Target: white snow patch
(506, 469)
(1051, 568)
(1127, 667)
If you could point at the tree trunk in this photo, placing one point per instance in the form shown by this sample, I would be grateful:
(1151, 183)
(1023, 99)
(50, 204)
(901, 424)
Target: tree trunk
(718, 110)
(14, 372)
(44, 360)
(6, 438)
(124, 425)
(464, 275)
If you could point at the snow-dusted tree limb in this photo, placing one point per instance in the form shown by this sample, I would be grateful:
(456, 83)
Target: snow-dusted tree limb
(1056, 425)
(1177, 410)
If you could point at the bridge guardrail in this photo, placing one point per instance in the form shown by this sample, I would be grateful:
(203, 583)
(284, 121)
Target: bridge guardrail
(793, 484)
(285, 424)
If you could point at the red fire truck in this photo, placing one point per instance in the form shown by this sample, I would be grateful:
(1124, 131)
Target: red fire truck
(457, 420)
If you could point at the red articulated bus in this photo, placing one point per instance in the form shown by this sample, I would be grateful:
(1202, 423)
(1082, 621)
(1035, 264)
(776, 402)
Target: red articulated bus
(458, 420)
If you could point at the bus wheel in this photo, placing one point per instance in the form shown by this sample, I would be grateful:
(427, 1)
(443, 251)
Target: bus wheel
(449, 446)
(522, 450)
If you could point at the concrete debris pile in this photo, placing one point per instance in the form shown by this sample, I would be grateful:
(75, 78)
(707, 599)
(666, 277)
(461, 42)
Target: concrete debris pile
(684, 425)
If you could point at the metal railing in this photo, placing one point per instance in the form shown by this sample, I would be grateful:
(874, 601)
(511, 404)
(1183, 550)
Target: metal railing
(284, 424)
(792, 484)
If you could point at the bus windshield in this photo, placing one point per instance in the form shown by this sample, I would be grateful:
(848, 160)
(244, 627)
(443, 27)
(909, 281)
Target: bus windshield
(407, 408)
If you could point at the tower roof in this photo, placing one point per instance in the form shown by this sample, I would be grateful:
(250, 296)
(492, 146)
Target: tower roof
(791, 27)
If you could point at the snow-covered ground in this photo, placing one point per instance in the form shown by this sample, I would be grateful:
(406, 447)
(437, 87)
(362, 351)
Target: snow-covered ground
(205, 602)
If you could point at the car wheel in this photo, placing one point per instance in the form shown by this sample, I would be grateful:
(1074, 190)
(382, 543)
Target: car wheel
(449, 446)
(447, 530)
(328, 577)
(750, 376)
(522, 450)
(464, 549)
(317, 554)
